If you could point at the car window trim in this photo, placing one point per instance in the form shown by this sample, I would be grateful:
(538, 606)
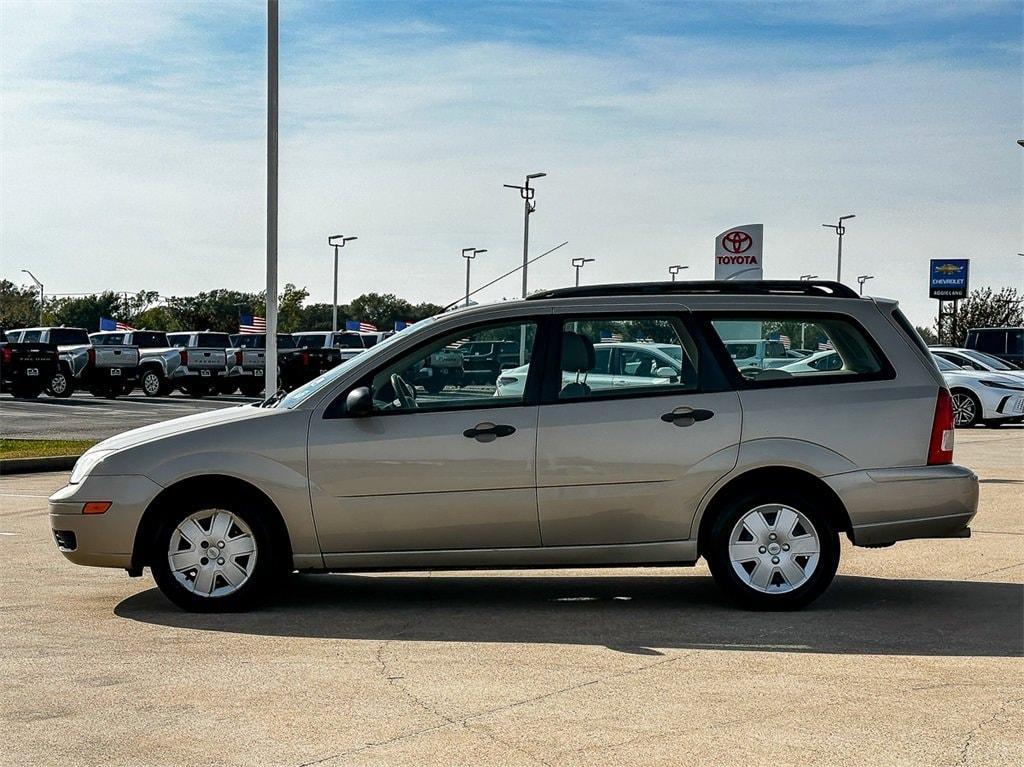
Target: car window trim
(336, 408)
(886, 371)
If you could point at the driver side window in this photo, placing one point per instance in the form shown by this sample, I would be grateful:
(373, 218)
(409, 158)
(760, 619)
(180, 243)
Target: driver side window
(481, 367)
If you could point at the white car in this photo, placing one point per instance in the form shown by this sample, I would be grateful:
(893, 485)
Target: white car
(618, 364)
(982, 397)
(818, 361)
(971, 359)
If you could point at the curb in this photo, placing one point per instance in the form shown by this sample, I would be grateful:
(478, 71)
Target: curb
(32, 465)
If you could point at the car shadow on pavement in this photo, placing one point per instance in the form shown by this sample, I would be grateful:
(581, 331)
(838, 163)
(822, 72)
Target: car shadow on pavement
(632, 614)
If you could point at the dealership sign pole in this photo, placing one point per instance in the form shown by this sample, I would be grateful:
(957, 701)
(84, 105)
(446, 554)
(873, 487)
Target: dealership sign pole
(739, 252)
(948, 282)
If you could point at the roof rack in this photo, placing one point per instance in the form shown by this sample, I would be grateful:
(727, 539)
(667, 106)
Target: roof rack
(821, 289)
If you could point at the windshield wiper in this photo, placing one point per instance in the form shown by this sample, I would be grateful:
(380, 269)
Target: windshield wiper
(274, 398)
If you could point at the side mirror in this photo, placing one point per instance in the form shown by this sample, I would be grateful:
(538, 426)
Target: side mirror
(359, 402)
(665, 372)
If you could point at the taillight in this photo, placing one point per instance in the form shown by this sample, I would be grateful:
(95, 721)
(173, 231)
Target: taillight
(305, 359)
(7, 355)
(92, 356)
(940, 448)
(238, 358)
(184, 356)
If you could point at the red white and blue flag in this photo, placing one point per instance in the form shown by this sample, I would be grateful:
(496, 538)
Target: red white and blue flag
(824, 345)
(249, 323)
(109, 324)
(362, 327)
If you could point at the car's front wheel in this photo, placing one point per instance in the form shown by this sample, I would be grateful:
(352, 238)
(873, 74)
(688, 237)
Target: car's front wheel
(772, 551)
(966, 409)
(215, 557)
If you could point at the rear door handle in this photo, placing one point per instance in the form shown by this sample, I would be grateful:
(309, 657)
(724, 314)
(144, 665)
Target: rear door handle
(488, 432)
(686, 416)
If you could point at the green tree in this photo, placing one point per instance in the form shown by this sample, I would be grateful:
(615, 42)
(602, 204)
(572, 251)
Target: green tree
(216, 310)
(380, 309)
(987, 308)
(927, 335)
(85, 311)
(19, 305)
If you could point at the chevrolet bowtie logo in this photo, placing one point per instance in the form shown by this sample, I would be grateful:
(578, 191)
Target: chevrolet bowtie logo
(949, 268)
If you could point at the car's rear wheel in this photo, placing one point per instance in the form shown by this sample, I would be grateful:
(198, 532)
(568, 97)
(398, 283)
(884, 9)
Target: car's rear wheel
(214, 557)
(773, 551)
(152, 383)
(966, 409)
(61, 385)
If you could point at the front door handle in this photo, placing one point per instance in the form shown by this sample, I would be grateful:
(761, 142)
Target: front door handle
(488, 432)
(686, 416)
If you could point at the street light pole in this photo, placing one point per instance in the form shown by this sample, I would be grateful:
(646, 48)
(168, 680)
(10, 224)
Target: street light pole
(808, 276)
(526, 192)
(40, 286)
(862, 279)
(840, 230)
(338, 241)
(270, 375)
(578, 264)
(675, 269)
(469, 254)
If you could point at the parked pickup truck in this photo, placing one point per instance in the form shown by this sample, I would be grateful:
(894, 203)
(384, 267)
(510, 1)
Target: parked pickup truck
(104, 372)
(483, 361)
(203, 361)
(157, 358)
(25, 369)
(319, 351)
(247, 361)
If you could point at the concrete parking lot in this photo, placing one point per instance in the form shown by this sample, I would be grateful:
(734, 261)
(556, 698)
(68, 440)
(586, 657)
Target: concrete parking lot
(913, 657)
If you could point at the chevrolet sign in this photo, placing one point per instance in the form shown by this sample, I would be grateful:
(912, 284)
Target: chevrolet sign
(948, 278)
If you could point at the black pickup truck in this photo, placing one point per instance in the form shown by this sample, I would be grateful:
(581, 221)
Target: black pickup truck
(26, 369)
(315, 353)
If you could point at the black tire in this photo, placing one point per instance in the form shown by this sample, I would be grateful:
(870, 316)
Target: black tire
(227, 386)
(717, 550)
(966, 409)
(151, 382)
(197, 390)
(62, 385)
(251, 388)
(269, 559)
(25, 391)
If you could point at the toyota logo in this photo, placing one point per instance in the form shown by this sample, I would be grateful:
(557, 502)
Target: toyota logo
(737, 241)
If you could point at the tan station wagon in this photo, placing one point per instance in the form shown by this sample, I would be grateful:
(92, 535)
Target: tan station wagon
(758, 470)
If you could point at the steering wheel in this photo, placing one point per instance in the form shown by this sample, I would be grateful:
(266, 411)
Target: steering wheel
(405, 393)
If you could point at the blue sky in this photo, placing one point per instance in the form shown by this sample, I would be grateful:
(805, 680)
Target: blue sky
(133, 140)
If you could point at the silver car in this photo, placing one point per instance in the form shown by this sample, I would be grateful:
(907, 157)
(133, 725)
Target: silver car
(758, 471)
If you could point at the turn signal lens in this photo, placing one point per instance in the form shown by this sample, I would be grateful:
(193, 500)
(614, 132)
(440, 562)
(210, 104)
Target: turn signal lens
(96, 507)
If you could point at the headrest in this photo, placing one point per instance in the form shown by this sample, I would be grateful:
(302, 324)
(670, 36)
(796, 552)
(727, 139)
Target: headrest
(577, 353)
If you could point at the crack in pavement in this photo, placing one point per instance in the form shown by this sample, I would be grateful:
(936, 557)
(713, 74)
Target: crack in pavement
(463, 721)
(969, 739)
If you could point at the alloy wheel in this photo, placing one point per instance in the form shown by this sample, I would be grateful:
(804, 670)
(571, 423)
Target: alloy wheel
(151, 384)
(774, 549)
(212, 553)
(964, 410)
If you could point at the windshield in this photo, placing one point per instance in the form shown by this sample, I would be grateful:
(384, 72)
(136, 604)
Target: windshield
(332, 375)
(943, 363)
(987, 359)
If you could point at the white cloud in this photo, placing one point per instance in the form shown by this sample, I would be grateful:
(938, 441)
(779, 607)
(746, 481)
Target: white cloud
(652, 148)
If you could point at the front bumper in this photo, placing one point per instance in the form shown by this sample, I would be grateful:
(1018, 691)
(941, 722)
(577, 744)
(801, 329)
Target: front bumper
(100, 540)
(889, 505)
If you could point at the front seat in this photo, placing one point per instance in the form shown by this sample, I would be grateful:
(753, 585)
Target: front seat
(577, 357)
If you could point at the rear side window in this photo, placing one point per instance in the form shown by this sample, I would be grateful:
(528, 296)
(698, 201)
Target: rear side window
(68, 336)
(838, 349)
(178, 339)
(992, 341)
(626, 356)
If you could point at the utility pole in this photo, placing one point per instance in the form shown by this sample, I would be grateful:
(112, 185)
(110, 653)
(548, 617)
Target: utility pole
(270, 376)
(840, 230)
(578, 264)
(675, 269)
(40, 286)
(469, 254)
(338, 241)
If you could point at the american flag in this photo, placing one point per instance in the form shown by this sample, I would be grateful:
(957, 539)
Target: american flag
(109, 324)
(248, 323)
(786, 342)
(607, 335)
(118, 325)
(824, 345)
(362, 327)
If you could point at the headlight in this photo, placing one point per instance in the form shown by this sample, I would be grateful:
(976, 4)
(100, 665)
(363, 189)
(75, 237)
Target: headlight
(1001, 385)
(85, 464)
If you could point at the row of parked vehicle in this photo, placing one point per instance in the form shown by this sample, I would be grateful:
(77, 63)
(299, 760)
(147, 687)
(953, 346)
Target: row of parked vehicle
(62, 360)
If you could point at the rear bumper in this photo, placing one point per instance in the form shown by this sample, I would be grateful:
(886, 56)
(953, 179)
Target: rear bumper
(196, 374)
(888, 505)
